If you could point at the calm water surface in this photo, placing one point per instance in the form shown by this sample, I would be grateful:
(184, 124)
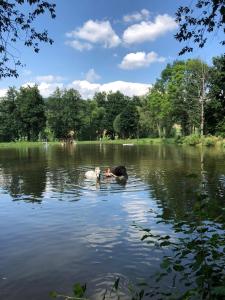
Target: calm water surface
(57, 228)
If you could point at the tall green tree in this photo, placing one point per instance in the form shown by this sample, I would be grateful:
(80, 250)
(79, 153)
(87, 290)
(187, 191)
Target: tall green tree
(159, 108)
(115, 104)
(30, 109)
(65, 113)
(215, 106)
(186, 91)
(8, 117)
(126, 123)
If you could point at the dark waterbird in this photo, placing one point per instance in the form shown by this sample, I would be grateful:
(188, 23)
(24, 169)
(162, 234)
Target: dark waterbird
(120, 172)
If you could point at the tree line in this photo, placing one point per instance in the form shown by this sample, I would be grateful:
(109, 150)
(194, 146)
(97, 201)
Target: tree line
(189, 97)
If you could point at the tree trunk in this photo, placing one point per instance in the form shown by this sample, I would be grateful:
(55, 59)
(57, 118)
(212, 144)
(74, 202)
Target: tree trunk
(159, 130)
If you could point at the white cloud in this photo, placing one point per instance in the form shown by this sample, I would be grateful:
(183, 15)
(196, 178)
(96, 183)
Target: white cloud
(137, 16)
(92, 76)
(127, 88)
(88, 89)
(96, 32)
(46, 89)
(3, 92)
(49, 78)
(29, 83)
(148, 30)
(85, 88)
(80, 46)
(139, 60)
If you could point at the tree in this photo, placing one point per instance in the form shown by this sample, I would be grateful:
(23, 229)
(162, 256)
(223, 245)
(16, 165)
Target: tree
(159, 108)
(195, 24)
(215, 106)
(17, 25)
(65, 113)
(30, 109)
(115, 104)
(186, 86)
(8, 117)
(129, 120)
(100, 98)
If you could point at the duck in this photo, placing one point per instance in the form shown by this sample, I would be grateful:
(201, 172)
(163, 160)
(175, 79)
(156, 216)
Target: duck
(93, 175)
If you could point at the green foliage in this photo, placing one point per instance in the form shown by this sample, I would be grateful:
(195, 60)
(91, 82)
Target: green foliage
(8, 117)
(126, 123)
(192, 140)
(159, 108)
(215, 108)
(198, 20)
(115, 292)
(209, 141)
(22, 115)
(79, 292)
(18, 19)
(65, 113)
(116, 124)
(115, 104)
(196, 257)
(31, 113)
(175, 101)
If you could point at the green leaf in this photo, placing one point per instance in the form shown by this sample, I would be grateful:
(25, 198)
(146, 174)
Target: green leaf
(219, 291)
(165, 243)
(178, 268)
(144, 237)
(116, 283)
(141, 294)
(53, 294)
(166, 263)
(79, 290)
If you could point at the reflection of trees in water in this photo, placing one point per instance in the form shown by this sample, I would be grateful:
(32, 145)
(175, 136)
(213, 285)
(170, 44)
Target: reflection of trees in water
(24, 172)
(172, 172)
(177, 176)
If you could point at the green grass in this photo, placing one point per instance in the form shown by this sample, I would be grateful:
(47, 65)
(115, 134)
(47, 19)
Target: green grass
(24, 144)
(207, 141)
(142, 141)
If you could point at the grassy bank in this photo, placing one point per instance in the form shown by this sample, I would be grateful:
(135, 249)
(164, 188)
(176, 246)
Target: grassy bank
(193, 140)
(144, 141)
(25, 144)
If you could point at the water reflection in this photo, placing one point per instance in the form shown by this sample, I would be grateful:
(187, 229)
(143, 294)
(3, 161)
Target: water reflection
(171, 174)
(81, 231)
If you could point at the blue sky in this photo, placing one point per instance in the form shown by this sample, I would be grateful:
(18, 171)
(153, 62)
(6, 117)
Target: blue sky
(106, 45)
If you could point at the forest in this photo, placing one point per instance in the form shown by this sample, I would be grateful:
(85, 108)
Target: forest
(188, 98)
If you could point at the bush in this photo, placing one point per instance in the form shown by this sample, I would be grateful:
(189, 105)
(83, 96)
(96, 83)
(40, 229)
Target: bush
(209, 141)
(192, 140)
(179, 140)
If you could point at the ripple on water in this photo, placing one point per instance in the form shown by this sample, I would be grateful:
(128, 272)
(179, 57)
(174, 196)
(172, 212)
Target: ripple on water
(112, 185)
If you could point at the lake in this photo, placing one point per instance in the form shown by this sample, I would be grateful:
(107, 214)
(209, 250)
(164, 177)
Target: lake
(57, 228)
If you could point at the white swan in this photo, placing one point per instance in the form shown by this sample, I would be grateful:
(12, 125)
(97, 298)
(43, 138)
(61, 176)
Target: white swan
(93, 174)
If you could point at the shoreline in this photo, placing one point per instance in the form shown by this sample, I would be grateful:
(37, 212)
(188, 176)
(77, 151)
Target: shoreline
(207, 141)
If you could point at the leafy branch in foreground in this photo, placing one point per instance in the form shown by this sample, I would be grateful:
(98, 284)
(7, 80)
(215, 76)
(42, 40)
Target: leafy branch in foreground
(197, 22)
(195, 265)
(79, 292)
(17, 26)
